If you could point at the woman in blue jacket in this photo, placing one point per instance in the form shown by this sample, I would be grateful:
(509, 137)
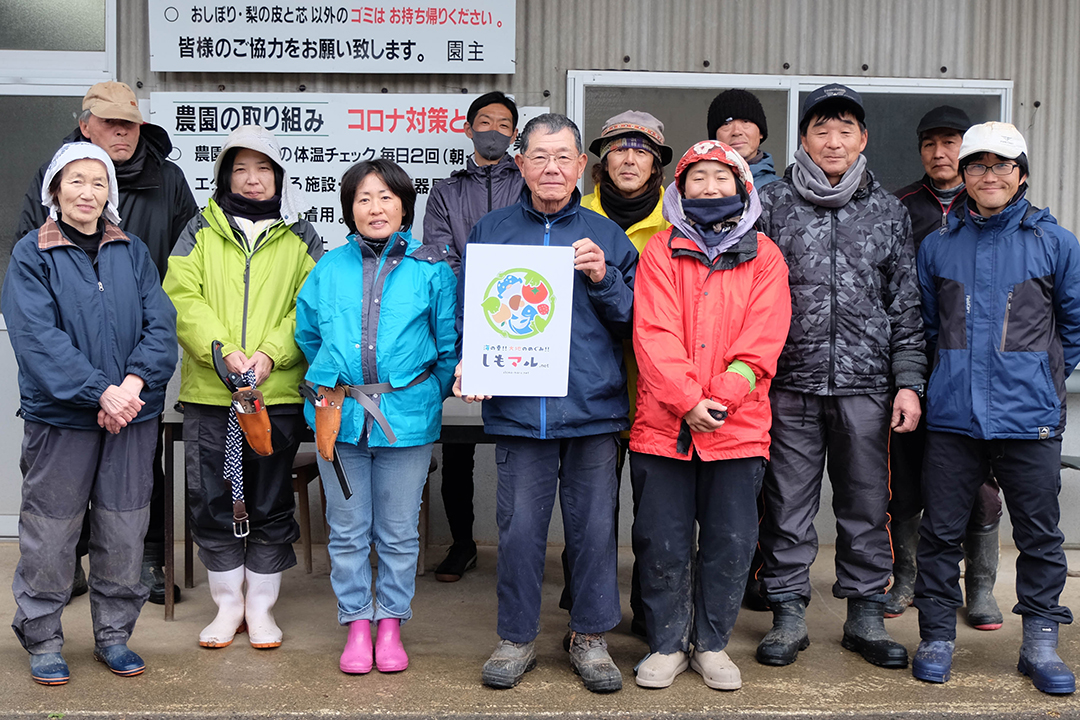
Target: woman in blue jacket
(375, 320)
(95, 339)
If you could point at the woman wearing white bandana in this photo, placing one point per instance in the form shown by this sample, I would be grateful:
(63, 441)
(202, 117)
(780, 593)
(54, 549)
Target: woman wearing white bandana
(95, 339)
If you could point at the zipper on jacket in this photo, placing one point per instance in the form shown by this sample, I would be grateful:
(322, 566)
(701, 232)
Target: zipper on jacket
(543, 401)
(100, 287)
(832, 304)
(489, 187)
(1005, 323)
(247, 283)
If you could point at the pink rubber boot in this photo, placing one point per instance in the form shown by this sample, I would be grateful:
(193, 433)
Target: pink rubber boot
(356, 658)
(389, 652)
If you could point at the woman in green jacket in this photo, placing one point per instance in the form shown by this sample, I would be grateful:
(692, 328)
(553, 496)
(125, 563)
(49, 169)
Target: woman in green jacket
(233, 277)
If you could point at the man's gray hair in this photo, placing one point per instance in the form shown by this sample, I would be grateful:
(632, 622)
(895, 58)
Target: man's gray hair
(84, 116)
(549, 124)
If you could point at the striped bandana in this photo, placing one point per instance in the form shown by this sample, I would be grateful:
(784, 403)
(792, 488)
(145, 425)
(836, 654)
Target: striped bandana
(629, 141)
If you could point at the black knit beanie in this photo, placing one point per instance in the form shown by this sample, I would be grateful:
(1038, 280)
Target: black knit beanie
(736, 104)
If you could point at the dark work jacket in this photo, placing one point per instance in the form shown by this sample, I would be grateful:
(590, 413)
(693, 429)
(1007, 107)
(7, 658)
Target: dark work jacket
(927, 213)
(77, 327)
(855, 324)
(459, 201)
(596, 401)
(155, 206)
(1001, 305)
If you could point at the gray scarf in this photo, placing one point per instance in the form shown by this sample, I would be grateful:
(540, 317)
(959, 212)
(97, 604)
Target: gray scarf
(813, 186)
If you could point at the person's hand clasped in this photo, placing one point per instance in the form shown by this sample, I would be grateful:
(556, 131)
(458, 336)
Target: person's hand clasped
(589, 259)
(699, 418)
(239, 363)
(457, 388)
(121, 403)
(906, 411)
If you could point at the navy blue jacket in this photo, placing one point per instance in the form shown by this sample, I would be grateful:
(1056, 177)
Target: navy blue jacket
(1001, 305)
(78, 327)
(596, 401)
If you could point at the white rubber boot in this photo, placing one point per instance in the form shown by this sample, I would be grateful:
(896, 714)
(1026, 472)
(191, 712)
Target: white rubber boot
(227, 590)
(262, 593)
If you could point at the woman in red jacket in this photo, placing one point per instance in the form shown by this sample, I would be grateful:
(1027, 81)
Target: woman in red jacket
(711, 314)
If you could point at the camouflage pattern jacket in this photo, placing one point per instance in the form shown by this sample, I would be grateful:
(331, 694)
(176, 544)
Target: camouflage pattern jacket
(855, 317)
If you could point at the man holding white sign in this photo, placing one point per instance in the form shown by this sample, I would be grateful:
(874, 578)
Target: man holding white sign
(562, 441)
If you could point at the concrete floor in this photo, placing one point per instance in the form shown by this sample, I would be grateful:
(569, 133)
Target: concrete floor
(452, 634)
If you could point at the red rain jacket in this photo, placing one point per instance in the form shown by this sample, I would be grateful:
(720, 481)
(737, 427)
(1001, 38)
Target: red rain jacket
(690, 323)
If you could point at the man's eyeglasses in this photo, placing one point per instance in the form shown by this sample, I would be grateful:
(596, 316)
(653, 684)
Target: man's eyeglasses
(978, 169)
(541, 161)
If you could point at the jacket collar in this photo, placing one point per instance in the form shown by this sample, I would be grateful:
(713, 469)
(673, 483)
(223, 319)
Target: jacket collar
(505, 166)
(50, 236)
(568, 210)
(1021, 214)
(745, 249)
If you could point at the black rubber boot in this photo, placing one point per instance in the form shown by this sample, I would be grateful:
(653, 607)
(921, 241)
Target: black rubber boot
(864, 633)
(981, 551)
(781, 645)
(905, 539)
(1039, 659)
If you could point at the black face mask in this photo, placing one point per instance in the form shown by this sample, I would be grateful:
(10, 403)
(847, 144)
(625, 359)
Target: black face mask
(491, 144)
(709, 214)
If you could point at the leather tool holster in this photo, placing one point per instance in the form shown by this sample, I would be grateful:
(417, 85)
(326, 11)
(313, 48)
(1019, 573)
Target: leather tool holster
(255, 422)
(328, 420)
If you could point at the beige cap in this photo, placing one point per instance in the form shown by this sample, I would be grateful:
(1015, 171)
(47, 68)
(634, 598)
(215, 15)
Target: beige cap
(113, 101)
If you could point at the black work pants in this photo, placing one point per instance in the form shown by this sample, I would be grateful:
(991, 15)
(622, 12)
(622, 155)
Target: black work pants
(1029, 472)
(693, 597)
(457, 490)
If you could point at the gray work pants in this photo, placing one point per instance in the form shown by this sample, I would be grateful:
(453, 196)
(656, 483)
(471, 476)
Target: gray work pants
(63, 471)
(851, 433)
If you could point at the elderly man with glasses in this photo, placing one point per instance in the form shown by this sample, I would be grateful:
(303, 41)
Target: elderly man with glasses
(562, 443)
(1001, 305)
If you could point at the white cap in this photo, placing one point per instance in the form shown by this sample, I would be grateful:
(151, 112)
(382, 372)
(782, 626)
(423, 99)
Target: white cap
(999, 138)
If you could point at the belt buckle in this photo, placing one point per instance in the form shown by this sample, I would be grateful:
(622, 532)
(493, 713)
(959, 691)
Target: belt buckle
(241, 528)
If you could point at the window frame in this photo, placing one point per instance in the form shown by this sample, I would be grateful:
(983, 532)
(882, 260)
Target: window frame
(578, 80)
(62, 67)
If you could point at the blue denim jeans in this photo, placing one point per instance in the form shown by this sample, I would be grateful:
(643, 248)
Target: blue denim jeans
(530, 471)
(387, 485)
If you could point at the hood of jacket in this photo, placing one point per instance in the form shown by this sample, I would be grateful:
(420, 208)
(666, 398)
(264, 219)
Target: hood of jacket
(259, 139)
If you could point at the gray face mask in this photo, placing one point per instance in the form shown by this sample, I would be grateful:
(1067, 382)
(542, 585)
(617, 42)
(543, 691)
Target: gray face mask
(491, 144)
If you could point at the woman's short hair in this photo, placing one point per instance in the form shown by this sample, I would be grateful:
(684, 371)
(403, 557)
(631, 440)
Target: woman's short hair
(396, 179)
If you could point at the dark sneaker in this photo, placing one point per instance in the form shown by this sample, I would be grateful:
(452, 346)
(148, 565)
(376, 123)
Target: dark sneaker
(590, 659)
(458, 560)
(506, 666)
(49, 669)
(120, 660)
(153, 577)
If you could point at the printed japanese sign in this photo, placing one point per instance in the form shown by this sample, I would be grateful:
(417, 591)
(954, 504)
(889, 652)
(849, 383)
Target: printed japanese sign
(518, 301)
(361, 36)
(321, 136)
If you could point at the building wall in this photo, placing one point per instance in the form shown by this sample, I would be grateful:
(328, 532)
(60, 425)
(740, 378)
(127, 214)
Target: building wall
(1031, 42)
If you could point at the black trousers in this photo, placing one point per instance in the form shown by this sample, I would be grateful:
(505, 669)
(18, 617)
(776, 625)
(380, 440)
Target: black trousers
(457, 490)
(268, 493)
(693, 597)
(1029, 472)
(906, 451)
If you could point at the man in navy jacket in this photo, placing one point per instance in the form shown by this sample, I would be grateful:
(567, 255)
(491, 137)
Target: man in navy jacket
(570, 442)
(1001, 305)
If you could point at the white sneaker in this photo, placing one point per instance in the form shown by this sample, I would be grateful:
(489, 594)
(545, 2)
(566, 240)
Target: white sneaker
(262, 593)
(717, 670)
(227, 590)
(658, 670)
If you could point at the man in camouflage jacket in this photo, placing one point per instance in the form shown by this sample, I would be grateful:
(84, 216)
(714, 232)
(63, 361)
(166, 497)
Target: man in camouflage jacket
(855, 338)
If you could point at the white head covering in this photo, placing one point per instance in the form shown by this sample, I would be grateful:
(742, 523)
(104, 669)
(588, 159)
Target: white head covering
(68, 154)
(259, 139)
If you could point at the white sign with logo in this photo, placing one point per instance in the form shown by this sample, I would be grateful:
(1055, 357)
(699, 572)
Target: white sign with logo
(321, 136)
(299, 36)
(518, 304)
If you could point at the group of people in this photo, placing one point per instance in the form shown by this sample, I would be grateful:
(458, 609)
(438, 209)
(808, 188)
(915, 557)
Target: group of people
(733, 335)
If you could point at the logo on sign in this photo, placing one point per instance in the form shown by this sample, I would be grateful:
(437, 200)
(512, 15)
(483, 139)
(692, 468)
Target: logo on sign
(518, 303)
